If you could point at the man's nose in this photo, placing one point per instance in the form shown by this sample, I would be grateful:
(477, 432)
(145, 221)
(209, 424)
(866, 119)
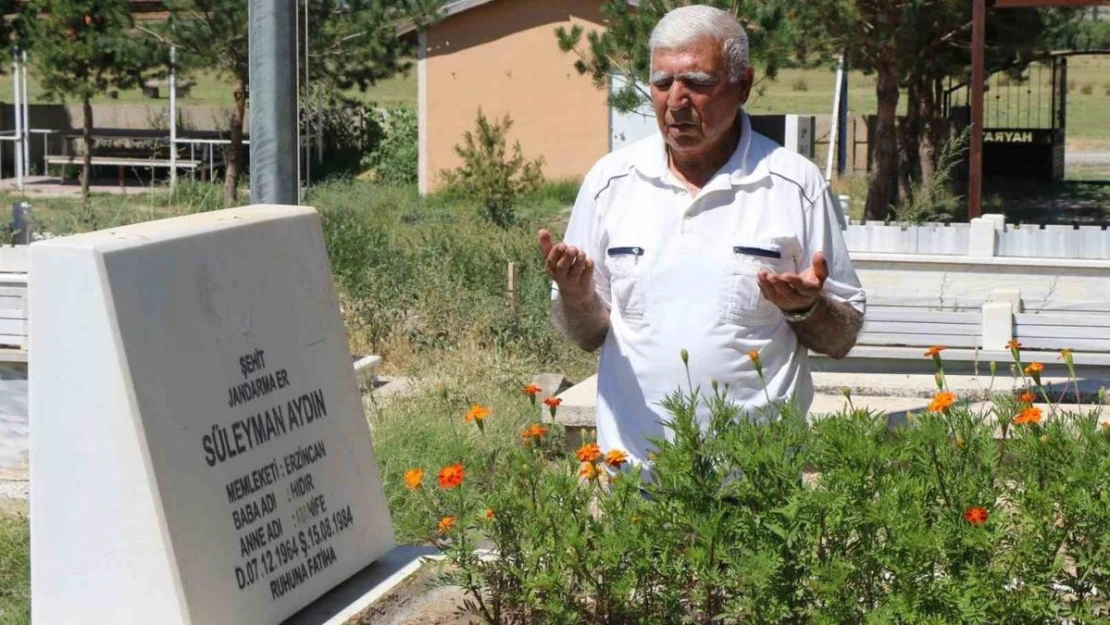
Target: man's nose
(678, 96)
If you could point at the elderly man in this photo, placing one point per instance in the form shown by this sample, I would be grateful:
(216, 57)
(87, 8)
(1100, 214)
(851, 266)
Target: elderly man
(706, 237)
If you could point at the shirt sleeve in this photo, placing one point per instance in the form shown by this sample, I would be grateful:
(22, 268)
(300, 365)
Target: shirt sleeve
(824, 234)
(585, 232)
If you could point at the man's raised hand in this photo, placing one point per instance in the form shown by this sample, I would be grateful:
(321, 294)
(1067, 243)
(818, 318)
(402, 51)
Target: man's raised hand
(568, 266)
(795, 292)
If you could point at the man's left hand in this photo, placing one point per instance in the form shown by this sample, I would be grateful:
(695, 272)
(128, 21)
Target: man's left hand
(793, 292)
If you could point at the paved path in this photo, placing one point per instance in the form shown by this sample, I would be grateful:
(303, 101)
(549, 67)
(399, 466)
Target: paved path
(1087, 158)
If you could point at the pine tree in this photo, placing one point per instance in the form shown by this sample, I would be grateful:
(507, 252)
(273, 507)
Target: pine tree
(352, 43)
(83, 48)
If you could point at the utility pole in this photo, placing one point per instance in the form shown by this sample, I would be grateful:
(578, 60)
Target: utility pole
(274, 178)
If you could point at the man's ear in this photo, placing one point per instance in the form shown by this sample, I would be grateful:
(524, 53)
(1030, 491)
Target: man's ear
(746, 80)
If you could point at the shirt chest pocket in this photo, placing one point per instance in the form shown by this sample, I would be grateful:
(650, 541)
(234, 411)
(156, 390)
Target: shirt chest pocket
(626, 280)
(743, 303)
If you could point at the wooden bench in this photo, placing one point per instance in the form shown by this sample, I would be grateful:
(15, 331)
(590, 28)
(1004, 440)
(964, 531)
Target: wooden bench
(124, 162)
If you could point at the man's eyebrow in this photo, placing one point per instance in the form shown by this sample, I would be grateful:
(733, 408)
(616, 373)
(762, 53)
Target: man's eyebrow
(694, 77)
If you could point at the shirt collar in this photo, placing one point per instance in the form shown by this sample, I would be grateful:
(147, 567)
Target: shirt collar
(740, 168)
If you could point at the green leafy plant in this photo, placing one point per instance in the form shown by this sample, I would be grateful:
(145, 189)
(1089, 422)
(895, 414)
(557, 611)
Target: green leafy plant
(489, 175)
(393, 159)
(764, 517)
(935, 200)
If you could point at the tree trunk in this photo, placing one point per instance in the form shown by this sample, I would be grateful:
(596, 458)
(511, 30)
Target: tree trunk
(86, 169)
(235, 149)
(909, 138)
(884, 165)
(932, 134)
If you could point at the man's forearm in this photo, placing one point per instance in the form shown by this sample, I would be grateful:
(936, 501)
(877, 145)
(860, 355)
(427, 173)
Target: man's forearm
(831, 329)
(585, 321)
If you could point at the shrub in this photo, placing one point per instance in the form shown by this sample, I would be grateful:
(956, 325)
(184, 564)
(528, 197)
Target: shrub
(488, 175)
(1087, 89)
(393, 159)
(799, 85)
(930, 521)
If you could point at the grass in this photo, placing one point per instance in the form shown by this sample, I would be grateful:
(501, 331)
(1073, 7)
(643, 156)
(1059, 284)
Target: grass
(15, 569)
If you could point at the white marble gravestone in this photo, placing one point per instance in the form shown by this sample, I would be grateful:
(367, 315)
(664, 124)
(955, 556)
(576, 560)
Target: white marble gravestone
(199, 452)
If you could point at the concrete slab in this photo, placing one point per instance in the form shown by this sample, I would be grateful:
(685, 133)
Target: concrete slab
(344, 603)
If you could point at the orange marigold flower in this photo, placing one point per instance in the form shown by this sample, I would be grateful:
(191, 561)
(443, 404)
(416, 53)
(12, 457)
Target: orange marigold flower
(754, 357)
(976, 515)
(446, 524)
(531, 390)
(934, 351)
(587, 471)
(1029, 415)
(414, 478)
(533, 432)
(477, 413)
(1034, 368)
(451, 476)
(615, 458)
(489, 513)
(553, 402)
(941, 401)
(1013, 344)
(589, 453)
(1027, 397)
(1066, 353)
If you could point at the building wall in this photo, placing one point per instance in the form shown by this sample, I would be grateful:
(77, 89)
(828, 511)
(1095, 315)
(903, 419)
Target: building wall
(504, 58)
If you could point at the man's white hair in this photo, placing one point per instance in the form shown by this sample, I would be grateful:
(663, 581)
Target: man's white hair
(684, 26)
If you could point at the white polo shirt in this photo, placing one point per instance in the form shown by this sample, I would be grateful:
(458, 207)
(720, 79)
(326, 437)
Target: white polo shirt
(679, 272)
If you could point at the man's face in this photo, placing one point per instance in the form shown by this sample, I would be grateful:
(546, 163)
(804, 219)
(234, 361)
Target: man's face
(695, 104)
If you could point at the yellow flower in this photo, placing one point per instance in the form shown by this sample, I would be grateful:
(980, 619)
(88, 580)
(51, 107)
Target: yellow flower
(616, 458)
(941, 401)
(414, 478)
(1014, 345)
(535, 432)
(587, 471)
(446, 524)
(477, 413)
(1034, 368)
(1029, 415)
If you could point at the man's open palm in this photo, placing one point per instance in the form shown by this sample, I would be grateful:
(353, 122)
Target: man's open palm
(792, 291)
(568, 266)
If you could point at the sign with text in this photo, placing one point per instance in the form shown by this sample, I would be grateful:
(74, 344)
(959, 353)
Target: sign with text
(199, 447)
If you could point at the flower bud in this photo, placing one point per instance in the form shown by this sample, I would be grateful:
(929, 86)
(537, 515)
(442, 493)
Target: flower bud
(685, 356)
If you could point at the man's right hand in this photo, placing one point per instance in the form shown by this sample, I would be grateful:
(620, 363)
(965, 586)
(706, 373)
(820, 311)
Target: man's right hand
(568, 266)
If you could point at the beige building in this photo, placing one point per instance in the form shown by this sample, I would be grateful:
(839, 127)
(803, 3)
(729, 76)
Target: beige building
(502, 56)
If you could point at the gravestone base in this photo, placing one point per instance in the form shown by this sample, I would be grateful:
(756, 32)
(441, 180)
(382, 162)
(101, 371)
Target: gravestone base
(349, 601)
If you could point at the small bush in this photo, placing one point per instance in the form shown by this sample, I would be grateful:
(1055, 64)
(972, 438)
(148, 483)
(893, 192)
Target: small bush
(1071, 85)
(799, 85)
(488, 175)
(394, 158)
(1087, 89)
